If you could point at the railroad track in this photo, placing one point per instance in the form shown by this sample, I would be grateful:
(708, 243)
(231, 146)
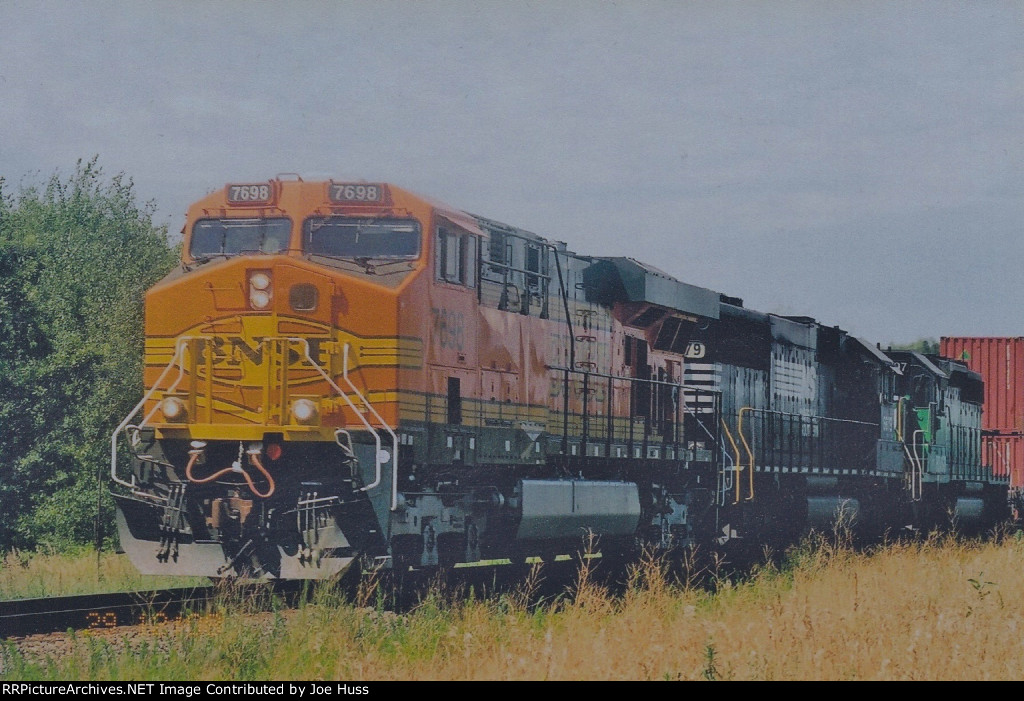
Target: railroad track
(22, 617)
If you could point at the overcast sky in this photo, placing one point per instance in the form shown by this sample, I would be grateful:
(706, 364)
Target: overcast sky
(859, 162)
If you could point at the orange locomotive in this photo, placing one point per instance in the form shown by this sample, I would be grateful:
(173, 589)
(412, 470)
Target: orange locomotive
(347, 371)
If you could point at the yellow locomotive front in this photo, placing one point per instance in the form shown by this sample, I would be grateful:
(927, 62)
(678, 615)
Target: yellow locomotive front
(265, 442)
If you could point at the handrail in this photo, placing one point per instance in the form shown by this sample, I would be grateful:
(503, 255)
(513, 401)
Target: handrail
(916, 474)
(564, 293)
(736, 465)
(394, 438)
(679, 401)
(691, 412)
(726, 475)
(792, 414)
(174, 385)
(750, 454)
(665, 383)
(366, 424)
(179, 346)
(806, 421)
(915, 466)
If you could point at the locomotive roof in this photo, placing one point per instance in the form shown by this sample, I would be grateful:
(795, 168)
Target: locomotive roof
(629, 280)
(492, 225)
(878, 354)
(923, 360)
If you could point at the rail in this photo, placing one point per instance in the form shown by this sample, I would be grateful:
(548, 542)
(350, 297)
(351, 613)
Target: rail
(750, 455)
(376, 415)
(997, 458)
(779, 440)
(659, 415)
(52, 614)
(916, 466)
(736, 466)
(178, 351)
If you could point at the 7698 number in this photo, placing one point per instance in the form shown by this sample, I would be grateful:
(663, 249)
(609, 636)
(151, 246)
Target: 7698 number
(249, 193)
(350, 192)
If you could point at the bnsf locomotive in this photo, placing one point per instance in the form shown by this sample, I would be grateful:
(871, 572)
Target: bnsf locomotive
(344, 372)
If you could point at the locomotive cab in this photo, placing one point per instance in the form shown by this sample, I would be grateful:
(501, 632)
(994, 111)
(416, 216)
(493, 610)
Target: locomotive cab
(270, 400)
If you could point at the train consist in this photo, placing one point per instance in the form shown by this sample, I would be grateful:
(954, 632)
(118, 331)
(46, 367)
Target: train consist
(343, 372)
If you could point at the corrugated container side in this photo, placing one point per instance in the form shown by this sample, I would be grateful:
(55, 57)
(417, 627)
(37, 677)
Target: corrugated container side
(1005, 454)
(1000, 361)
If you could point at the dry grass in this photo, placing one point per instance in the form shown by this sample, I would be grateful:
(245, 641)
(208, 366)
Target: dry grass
(938, 609)
(26, 575)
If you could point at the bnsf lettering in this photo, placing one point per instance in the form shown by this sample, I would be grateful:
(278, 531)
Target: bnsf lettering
(254, 354)
(230, 352)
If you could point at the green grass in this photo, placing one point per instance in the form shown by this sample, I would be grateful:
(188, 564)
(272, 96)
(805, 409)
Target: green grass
(25, 575)
(942, 608)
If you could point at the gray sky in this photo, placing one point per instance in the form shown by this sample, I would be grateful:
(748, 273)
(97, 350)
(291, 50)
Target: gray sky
(858, 162)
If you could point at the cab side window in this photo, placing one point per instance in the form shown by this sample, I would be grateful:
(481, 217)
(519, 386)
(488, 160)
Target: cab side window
(456, 257)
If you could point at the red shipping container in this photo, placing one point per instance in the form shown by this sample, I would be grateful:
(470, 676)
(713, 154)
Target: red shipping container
(1000, 361)
(1005, 453)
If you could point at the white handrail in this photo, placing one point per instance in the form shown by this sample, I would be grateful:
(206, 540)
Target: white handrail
(394, 438)
(366, 424)
(179, 347)
(376, 436)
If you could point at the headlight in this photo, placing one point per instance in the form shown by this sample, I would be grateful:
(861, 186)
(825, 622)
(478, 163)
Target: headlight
(260, 289)
(173, 408)
(304, 411)
(259, 280)
(259, 299)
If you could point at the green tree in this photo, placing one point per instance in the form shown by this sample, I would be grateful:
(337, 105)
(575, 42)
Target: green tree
(928, 346)
(23, 346)
(76, 257)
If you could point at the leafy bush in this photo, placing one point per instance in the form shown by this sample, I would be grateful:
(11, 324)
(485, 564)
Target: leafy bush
(76, 257)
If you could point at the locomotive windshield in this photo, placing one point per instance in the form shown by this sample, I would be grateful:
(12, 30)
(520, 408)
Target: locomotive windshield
(229, 237)
(356, 239)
